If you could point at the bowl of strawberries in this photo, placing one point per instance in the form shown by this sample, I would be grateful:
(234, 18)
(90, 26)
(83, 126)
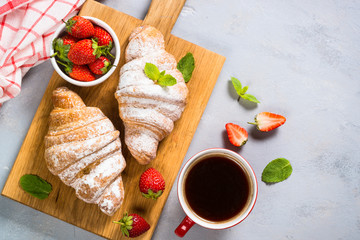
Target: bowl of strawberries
(85, 51)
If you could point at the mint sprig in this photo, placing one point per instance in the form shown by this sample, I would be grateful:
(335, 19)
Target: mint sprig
(241, 91)
(186, 66)
(35, 186)
(276, 171)
(152, 72)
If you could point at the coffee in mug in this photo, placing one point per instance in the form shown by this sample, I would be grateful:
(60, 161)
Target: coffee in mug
(217, 189)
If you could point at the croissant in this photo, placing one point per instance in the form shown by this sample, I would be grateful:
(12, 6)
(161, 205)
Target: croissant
(147, 109)
(83, 149)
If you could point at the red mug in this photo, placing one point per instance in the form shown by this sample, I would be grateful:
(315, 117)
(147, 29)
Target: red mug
(195, 179)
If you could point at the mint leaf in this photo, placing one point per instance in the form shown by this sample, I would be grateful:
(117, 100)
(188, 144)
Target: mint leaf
(186, 66)
(243, 91)
(162, 74)
(152, 71)
(276, 171)
(237, 85)
(167, 80)
(35, 186)
(250, 97)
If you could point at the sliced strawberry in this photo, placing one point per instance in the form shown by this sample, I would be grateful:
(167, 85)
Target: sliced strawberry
(266, 121)
(237, 135)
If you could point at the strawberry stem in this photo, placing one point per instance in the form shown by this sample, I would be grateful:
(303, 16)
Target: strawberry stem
(252, 123)
(61, 63)
(67, 67)
(54, 54)
(121, 223)
(111, 55)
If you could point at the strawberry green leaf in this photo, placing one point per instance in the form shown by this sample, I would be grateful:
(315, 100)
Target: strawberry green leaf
(276, 171)
(66, 66)
(167, 80)
(106, 68)
(250, 97)
(110, 46)
(35, 186)
(186, 66)
(125, 224)
(98, 50)
(106, 49)
(126, 232)
(60, 50)
(152, 71)
(152, 195)
(237, 85)
(69, 24)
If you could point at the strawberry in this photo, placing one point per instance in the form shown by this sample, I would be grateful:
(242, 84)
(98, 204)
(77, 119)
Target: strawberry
(266, 121)
(100, 66)
(237, 135)
(84, 52)
(103, 37)
(81, 73)
(152, 184)
(62, 47)
(133, 225)
(69, 40)
(78, 72)
(80, 27)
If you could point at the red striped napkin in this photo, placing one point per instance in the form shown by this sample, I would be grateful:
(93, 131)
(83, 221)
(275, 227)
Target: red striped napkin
(26, 30)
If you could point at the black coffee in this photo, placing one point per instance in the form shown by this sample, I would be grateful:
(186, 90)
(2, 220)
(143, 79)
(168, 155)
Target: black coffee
(216, 189)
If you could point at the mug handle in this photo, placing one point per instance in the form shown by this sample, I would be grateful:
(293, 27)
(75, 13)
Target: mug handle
(184, 226)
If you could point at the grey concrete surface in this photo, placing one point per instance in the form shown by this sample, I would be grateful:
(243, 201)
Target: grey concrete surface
(301, 59)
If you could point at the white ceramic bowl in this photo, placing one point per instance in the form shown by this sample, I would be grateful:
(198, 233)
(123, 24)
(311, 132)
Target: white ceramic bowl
(115, 51)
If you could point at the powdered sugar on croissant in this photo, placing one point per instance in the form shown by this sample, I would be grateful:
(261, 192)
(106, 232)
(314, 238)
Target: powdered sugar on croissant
(83, 149)
(147, 109)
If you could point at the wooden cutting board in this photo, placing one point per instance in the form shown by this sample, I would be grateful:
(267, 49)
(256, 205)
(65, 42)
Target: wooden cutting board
(62, 202)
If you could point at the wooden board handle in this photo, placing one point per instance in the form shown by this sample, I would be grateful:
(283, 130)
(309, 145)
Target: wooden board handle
(163, 14)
